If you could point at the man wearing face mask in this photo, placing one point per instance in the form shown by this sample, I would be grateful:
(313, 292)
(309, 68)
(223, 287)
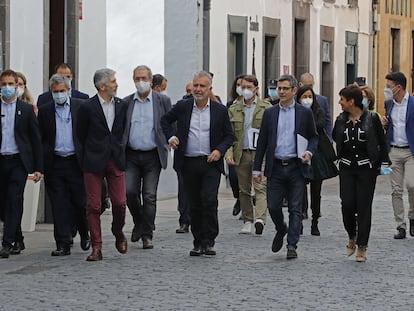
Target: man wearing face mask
(245, 116)
(273, 96)
(62, 157)
(65, 70)
(20, 155)
(399, 124)
(146, 153)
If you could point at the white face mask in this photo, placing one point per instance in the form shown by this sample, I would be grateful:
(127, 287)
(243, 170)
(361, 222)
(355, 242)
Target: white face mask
(164, 93)
(388, 93)
(247, 94)
(239, 91)
(307, 102)
(143, 87)
(19, 91)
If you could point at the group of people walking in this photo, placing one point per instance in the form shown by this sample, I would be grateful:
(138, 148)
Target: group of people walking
(274, 148)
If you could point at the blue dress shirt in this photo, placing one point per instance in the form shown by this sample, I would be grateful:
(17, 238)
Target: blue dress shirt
(8, 141)
(64, 145)
(286, 140)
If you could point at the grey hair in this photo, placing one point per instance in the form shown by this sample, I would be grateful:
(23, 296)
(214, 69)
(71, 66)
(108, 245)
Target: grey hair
(102, 76)
(291, 79)
(58, 79)
(141, 68)
(204, 73)
(306, 75)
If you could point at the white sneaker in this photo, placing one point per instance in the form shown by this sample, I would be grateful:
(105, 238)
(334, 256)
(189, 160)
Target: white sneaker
(247, 228)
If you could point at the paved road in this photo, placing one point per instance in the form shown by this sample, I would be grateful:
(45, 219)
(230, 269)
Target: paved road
(245, 274)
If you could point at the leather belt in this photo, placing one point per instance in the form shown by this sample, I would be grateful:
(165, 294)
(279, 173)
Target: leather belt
(286, 161)
(10, 156)
(67, 158)
(141, 151)
(400, 147)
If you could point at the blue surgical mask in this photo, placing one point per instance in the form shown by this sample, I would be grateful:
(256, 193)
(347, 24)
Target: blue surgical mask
(8, 91)
(388, 93)
(365, 102)
(60, 97)
(272, 93)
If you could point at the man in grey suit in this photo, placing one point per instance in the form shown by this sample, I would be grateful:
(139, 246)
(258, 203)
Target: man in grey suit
(146, 153)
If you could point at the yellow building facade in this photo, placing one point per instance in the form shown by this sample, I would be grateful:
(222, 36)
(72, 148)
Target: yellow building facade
(393, 43)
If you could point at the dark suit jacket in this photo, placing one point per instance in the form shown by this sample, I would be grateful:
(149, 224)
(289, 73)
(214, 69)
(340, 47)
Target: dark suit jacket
(221, 132)
(161, 105)
(409, 123)
(323, 102)
(27, 136)
(99, 144)
(47, 97)
(47, 124)
(266, 144)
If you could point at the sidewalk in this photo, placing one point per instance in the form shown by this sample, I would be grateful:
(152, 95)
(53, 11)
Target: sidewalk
(245, 274)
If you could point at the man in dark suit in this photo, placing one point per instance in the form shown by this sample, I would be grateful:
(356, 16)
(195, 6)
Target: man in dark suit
(100, 130)
(146, 153)
(288, 138)
(204, 133)
(20, 155)
(62, 155)
(65, 70)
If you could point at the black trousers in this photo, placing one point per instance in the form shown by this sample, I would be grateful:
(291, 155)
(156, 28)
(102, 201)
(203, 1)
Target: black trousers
(356, 187)
(234, 183)
(201, 181)
(67, 195)
(183, 204)
(13, 177)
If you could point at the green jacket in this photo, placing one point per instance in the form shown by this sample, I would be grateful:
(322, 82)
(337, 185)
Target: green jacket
(236, 115)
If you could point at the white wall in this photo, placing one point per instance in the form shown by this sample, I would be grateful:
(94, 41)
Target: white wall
(26, 42)
(92, 43)
(135, 36)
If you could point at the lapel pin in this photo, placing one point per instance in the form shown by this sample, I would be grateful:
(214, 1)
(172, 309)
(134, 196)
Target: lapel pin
(19, 113)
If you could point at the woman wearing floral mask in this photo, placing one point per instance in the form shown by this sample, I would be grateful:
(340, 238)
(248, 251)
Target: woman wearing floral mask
(323, 160)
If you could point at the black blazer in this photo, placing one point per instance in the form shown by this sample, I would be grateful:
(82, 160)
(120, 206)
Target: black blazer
(99, 144)
(221, 132)
(27, 136)
(47, 124)
(47, 97)
(266, 144)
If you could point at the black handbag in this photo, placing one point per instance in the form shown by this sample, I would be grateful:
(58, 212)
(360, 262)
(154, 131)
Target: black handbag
(326, 146)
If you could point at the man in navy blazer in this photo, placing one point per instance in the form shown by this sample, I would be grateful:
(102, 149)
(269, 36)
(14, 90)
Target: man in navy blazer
(20, 155)
(65, 70)
(287, 167)
(203, 135)
(62, 153)
(146, 153)
(399, 124)
(100, 130)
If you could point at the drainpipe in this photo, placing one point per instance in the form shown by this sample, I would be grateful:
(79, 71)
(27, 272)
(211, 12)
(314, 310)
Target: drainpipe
(206, 34)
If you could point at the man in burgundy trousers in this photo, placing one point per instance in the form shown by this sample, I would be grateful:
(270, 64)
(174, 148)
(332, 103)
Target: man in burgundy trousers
(101, 125)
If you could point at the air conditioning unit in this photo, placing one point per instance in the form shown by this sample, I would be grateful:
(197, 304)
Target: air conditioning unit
(353, 3)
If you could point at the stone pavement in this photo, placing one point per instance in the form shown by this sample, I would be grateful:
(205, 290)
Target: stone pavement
(245, 274)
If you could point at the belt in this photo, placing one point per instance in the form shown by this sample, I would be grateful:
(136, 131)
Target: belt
(249, 150)
(70, 157)
(141, 151)
(400, 147)
(203, 157)
(10, 156)
(286, 161)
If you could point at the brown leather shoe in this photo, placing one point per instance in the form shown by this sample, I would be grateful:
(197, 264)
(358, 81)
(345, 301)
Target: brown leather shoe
(121, 246)
(96, 255)
(147, 243)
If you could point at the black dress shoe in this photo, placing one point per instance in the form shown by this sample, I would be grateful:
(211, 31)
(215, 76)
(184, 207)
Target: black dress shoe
(401, 234)
(85, 243)
(135, 235)
(61, 251)
(236, 208)
(17, 248)
(5, 252)
(412, 227)
(196, 251)
(147, 243)
(209, 250)
(278, 240)
(291, 254)
(183, 229)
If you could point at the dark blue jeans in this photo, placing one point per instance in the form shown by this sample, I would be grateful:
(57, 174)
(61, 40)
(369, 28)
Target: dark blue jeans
(286, 181)
(142, 174)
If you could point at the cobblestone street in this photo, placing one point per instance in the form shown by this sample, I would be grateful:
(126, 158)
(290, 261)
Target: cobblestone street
(245, 274)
